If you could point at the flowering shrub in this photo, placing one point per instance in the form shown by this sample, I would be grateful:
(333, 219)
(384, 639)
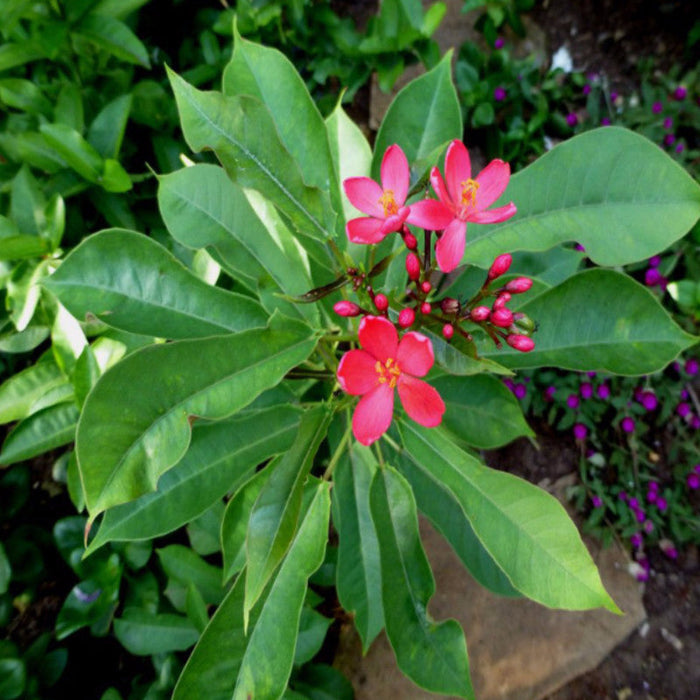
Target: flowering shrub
(222, 392)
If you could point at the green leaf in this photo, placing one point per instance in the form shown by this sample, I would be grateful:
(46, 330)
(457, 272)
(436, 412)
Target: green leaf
(28, 202)
(204, 532)
(75, 150)
(185, 566)
(69, 107)
(114, 177)
(433, 655)
(25, 96)
(422, 119)
(119, 9)
(321, 682)
(107, 129)
(618, 326)
(13, 55)
(613, 191)
(222, 455)
(114, 37)
(143, 633)
(267, 74)
(13, 677)
(481, 411)
(22, 390)
(312, 631)
(5, 571)
(526, 531)
(124, 443)
(457, 358)
(274, 516)
(228, 664)
(130, 282)
(359, 579)
(202, 208)
(242, 133)
(42, 431)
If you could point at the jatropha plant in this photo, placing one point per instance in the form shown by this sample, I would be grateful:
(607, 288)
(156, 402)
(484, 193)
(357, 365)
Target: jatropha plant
(222, 378)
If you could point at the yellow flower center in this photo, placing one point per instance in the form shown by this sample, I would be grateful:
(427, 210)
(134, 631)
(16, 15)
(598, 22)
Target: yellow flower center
(469, 188)
(389, 203)
(388, 372)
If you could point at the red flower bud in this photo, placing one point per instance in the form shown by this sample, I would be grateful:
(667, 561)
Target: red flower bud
(410, 241)
(501, 300)
(500, 266)
(520, 342)
(519, 285)
(425, 308)
(381, 302)
(502, 318)
(426, 287)
(346, 308)
(413, 266)
(449, 305)
(448, 330)
(480, 313)
(406, 318)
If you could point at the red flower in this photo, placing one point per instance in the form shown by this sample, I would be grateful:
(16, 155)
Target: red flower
(467, 200)
(385, 363)
(386, 204)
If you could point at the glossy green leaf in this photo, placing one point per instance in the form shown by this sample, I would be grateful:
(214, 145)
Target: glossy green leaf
(613, 191)
(24, 95)
(359, 578)
(202, 208)
(456, 357)
(143, 633)
(69, 107)
(145, 289)
(204, 532)
(31, 147)
(124, 443)
(40, 432)
(186, 566)
(322, 682)
(75, 150)
(312, 631)
(107, 129)
(22, 390)
(526, 531)
(13, 678)
(28, 202)
(433, 655)
(423, 118)
(119, 9)
(221, 456)
(17, 54)
(266, 73)
(114, 178)
(481, 411)
(228, 664)
(242, 133)
(114, 37)
(274, 516)
(619, 327)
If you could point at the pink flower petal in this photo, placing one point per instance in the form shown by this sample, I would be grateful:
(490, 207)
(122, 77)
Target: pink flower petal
(493, 180)
(364, 194)
(494, 216)
(458, 169)
(356, 372)
(379, 337)
(438, 183)
(421, 401)
(373, 414)
(415, 354)
(395, 174)
(365, 230)
(450, 248)
(429, 214)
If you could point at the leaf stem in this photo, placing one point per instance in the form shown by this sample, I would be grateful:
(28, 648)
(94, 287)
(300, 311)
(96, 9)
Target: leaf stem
(338, 452)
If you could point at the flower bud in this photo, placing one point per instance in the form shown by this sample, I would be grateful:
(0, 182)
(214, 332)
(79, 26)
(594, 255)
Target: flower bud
(449, 306)
(502, 318)
(523, 324)
(501, 300)
(480, 313)
(519, 285)
(425, 308)
(448, 330)
(413, 266)
(406, 318)
(381, 302)
(346, 308)
(520, 342)
(410, 241)
(426, 287)
(500, 266)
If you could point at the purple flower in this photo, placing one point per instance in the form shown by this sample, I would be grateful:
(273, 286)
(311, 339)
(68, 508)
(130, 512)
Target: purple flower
(639, 514)
(679, 93)
(549, 393)
(693, 481)
(633, 503)
(636, 540)
(499, 94)
(572, 401)
(654, 261)
(603, 391)
(590, 375)
(683, 409)
(652, 277)
(652, 495)
(695, 422)
(661, 503)
(520, 391)
(684, 392)
(580, 431)
(653, 486)
(668, 122)
(668, 549)
(498, 44)
(622, 495)
(613, 96)
(669, 140)
(580, 248)
(649, 400)
(586, 89)
(509, 383)
(597, 501)
(691, 366)
(696, 468)
(627, 424)
(680, 148)
(656, 107)
(571, 119)
(605, 121)
(586, 390)
(648, 527)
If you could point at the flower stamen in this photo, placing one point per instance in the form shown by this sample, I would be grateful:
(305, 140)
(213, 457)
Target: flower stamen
(469, 189)
(389, 203)
(388, 372)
